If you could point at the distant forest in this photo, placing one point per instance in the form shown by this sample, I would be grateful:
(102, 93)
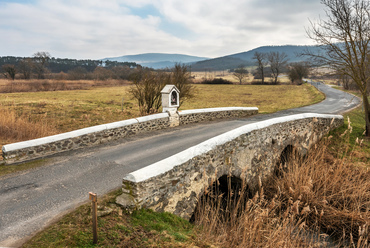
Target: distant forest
(43, 66)
(56, 65)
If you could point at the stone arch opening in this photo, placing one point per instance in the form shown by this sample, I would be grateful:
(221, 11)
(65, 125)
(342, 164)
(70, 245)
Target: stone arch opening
(287, 155)
(223, 196)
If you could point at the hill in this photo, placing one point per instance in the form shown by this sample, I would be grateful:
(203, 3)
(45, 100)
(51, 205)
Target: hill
(163, 60)
(157, 60)
(246, 58)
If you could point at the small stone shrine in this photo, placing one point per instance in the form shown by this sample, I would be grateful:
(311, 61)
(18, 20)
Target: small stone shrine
(170, 98)
(170, 103)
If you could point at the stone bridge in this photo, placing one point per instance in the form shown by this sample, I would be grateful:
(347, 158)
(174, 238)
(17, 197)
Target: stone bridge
(246, 153)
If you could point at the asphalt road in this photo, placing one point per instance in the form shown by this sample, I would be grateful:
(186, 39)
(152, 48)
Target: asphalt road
(32, 199)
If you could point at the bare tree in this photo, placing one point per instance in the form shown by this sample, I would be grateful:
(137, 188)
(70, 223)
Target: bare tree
(278, 62)
(41, 59)
(181, 78)
(9, 71)
(146, 89)
(345, 36)
(25, 67)
(261, 64)
(240, 73)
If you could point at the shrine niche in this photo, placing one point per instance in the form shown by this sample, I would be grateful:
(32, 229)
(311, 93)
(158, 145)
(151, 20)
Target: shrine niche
(170, 98)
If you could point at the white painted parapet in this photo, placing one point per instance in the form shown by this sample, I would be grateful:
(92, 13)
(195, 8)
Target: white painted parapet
(36, 148)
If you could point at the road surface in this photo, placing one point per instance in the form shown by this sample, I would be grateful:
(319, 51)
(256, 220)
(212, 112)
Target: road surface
(32, 199)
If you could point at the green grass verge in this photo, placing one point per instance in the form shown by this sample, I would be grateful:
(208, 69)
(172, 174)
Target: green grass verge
(357, 145)
(142, 228)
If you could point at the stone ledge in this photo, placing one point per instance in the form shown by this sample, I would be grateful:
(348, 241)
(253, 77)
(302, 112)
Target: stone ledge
(210, 114)
(208, 110)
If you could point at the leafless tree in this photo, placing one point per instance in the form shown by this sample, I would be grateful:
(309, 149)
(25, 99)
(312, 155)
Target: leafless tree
(240, 73)
(25, 67)
(181, 78)
(146, 89)
(261, 61)
(345, 36)
(41, 59)
(278, 62)
(9, 71)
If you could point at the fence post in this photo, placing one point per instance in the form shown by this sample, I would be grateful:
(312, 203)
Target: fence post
(94, 202)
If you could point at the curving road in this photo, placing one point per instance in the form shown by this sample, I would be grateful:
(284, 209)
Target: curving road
(32, 199)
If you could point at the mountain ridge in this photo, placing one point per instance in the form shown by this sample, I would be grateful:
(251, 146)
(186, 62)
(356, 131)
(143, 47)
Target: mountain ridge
(158, 60)
(232, 61)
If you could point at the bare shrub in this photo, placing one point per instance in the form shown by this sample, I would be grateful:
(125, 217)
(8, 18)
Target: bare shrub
(297, 71)
(146, 89)
(216, 81)
(180, 77)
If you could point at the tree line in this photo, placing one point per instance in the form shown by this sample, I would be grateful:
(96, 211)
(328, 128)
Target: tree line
(273, 64)
(41, 65)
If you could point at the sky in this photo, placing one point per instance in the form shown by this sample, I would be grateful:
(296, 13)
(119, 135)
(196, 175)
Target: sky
(96, 29)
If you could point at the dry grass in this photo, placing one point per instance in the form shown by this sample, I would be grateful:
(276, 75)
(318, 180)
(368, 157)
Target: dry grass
(36, 85)
(313, 202)
(268, 98)
(198, 77)
(13, 127)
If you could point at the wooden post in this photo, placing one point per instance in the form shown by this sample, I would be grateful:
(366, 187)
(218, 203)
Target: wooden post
(94, 202)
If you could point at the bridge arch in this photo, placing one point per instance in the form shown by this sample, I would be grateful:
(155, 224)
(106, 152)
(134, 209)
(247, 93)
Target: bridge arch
(222, 196)
(287, 155)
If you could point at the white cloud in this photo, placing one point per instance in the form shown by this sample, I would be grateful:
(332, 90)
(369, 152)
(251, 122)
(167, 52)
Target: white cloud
(98, 28)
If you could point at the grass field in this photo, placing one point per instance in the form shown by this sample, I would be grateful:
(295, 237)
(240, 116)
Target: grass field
(29, 115)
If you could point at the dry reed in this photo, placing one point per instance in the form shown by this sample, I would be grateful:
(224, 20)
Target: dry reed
(19, 128)
(318, 201)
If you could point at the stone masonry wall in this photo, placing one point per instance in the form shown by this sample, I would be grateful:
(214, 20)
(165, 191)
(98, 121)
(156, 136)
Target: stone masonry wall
(200, 115)
(32, 149)
(248, 153)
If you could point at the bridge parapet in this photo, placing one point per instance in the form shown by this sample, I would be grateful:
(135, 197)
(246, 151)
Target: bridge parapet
(46, 146)
(249, 152)
(210, 114)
